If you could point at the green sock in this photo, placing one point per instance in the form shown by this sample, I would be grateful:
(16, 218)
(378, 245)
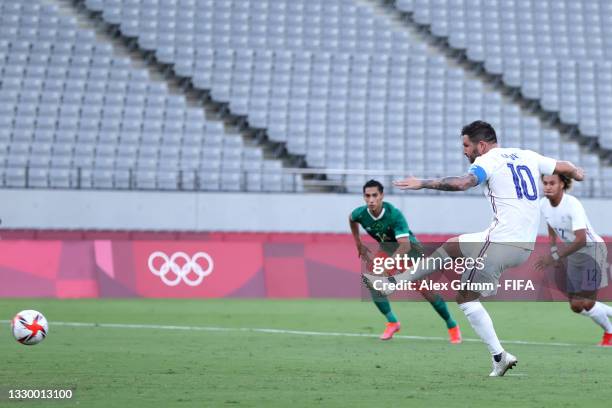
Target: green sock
(440, 306)
(382, 303)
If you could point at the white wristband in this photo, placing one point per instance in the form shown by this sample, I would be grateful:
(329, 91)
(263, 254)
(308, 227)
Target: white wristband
(554, 255)
(553, 248)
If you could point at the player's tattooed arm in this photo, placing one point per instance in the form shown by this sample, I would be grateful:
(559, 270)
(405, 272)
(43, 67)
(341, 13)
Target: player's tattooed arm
(453, 183)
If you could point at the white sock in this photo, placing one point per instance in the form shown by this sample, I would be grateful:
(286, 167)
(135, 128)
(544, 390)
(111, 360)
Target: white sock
(599, 316)
(482, 324)
(606, 307)
(426, 266)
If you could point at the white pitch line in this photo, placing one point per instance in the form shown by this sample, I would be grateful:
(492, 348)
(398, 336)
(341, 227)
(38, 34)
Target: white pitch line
(286, 331)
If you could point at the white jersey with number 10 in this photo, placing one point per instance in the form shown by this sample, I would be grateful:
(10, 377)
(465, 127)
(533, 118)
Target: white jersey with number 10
(510, 180)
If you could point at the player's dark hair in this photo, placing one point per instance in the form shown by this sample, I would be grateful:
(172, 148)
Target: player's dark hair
(374, 183)
(567, 181)
(479, 130)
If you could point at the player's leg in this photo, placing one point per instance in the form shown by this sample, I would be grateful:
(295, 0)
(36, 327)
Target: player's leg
(585, 304)
(585, 275)
(496, 258)
(575, 304)
(482, 324)
(480, 320)
(440, 306)
(384, 307)
(468, 300)
(426, 266)
(607, 308)
(601, 258)
(432, 263)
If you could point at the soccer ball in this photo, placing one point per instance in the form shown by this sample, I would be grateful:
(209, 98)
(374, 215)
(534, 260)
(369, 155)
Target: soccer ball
(29, 327)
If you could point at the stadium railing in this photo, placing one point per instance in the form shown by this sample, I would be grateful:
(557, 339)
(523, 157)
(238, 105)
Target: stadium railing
(286, 179)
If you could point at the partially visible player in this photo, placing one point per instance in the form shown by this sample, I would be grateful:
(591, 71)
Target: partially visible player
(509, 177)
(584, 251)
(387, 225)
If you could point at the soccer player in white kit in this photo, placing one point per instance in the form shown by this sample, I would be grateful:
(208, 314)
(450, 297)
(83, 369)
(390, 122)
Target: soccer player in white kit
(584, 252)
(508, 177)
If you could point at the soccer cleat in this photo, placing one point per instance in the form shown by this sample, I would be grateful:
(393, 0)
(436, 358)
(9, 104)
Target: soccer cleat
(506, 363)
(606, 341)
(377, 281)
(454, 335)
(391, 329)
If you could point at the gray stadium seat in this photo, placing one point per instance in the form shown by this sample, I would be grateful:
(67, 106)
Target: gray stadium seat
(69, 103)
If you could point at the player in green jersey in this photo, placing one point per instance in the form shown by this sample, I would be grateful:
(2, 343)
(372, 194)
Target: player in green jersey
(387, 225)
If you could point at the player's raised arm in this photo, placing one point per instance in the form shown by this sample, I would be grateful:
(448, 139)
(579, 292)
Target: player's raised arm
(568, 169)
(453, 183)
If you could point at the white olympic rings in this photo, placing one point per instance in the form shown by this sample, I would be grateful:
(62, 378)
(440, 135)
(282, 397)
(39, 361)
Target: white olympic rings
(180, 272)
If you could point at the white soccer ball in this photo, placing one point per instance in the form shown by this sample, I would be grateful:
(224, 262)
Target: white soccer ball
(29, 327)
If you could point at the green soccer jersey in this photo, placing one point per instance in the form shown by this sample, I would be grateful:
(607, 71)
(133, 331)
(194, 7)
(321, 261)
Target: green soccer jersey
(387, 227)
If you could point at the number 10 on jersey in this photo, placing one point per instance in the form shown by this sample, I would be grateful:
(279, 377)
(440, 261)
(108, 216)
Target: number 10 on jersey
(519, 174)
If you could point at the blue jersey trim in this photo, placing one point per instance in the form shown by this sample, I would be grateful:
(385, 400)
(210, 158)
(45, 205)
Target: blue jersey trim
(479, 172)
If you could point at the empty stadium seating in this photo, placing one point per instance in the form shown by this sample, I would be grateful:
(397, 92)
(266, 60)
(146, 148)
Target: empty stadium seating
(558, 52)
(74, 115)
(333, 81)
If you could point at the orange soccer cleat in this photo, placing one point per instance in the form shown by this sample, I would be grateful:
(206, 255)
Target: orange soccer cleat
(391, 329)
(454, 335)
(606, 340)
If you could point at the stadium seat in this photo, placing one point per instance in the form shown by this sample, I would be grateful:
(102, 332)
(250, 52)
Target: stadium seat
(69, 103)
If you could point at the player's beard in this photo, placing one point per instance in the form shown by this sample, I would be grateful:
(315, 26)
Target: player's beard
(472, 157)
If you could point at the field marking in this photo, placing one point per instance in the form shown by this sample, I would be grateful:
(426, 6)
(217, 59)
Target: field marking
(290, 332)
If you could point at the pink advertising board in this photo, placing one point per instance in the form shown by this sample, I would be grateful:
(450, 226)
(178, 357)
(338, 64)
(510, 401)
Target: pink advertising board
(212, 265)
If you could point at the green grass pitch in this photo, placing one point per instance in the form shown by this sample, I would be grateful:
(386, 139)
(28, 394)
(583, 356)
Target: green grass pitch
(157, 367)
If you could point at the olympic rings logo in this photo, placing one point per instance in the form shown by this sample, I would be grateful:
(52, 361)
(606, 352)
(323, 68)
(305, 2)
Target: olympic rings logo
(181, 267)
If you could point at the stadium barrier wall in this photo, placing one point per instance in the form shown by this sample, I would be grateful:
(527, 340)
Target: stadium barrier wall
(255, 212)
(256, 265)
(230, 265)
(190, 211)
